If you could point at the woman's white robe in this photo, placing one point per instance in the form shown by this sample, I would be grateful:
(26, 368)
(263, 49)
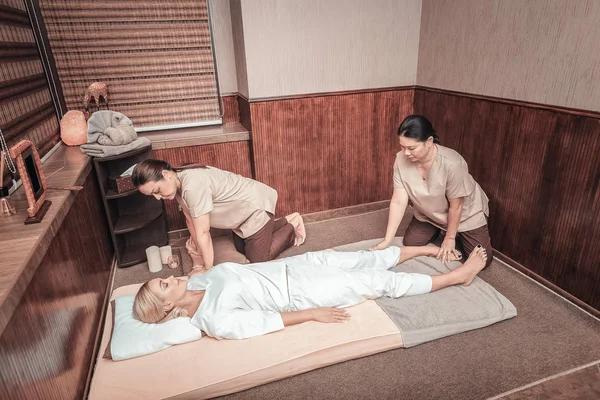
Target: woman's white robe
(245, 300)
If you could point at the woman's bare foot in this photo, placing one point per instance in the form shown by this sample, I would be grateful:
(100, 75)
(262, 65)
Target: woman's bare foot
(474, 264)
(301, 231)
(298, 223)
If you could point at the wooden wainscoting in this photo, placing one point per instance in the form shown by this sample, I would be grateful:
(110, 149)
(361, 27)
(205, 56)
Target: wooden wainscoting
(231, 109)
(244, 112)
(47, 347)
(540, 167)
(233, 156)
(328, 151)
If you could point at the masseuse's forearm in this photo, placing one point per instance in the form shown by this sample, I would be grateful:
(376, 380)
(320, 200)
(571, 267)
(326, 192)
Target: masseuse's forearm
(190, 225)
(454, 214)
(397, 209)
(296, 317)
(204, 242)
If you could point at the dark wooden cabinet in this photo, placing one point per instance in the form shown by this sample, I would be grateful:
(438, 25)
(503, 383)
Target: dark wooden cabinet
(136, 221)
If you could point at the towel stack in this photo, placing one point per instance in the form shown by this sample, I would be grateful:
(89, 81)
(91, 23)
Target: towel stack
(110, 133)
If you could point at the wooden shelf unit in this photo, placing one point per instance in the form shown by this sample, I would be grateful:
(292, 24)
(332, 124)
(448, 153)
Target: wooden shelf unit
(136, 221)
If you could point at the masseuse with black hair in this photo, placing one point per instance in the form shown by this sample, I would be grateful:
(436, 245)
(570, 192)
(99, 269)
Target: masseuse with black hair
(211, 197)
(450, 208)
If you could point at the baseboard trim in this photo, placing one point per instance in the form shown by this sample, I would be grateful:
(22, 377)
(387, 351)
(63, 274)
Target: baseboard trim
(308, 218)
(543, 281)
(544, 380)
(345, 211)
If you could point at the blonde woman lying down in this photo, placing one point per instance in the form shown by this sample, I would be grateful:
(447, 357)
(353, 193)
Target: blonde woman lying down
(233, 301)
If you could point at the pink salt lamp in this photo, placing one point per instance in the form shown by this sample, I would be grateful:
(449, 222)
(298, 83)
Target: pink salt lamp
(73, 128)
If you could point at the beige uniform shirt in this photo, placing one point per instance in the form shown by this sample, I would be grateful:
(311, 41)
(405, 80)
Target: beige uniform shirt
(233, 201)
(448, 178)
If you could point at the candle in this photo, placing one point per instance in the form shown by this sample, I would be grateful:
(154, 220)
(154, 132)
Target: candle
(165, 253)
(173, 261)
(153, 257)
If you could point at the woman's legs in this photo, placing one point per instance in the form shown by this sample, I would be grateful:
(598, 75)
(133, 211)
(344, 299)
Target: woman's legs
(343, 279)
(363, 259)
(419, 233)
(480, 236)
(268, 242)
(386, 283)
(464, 274)
(348, 260)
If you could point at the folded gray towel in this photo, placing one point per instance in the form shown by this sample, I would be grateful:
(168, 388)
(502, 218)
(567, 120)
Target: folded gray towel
(98, 150)
(110, 128)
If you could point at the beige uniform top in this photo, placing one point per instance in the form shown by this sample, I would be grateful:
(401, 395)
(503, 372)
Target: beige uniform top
(233, 201)
(448, 178)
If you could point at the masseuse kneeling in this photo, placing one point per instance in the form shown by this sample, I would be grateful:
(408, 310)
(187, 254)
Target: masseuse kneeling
(209, 197)
(448, 204)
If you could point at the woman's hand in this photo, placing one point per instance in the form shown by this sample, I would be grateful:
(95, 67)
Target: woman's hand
(191, 247)
(330, 314)
(448, 250)
(384, 244)
(197, 259)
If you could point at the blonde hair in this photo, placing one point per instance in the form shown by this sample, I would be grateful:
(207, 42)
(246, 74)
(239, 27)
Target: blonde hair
(148, 308)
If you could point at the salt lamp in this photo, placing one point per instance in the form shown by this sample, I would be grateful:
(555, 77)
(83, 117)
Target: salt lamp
(73, 128)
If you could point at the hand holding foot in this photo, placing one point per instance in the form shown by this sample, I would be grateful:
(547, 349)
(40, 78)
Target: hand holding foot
(452, 256)
(448, 250)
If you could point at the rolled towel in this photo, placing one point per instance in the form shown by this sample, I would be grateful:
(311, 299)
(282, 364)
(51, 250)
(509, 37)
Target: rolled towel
(110, 128)
(98, 150)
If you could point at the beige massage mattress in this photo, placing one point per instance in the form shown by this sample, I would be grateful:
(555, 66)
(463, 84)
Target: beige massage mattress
(209, 368)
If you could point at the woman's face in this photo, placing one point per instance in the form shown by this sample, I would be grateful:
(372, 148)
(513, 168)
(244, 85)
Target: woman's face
(168, 290)
(415, 150)
(165, 189)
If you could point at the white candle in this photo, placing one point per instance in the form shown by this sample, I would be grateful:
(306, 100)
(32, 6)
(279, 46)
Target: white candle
(165, 253)
(153, 257)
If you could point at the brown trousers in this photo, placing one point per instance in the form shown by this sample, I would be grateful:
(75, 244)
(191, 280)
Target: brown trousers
(420, 233)
(268, 242)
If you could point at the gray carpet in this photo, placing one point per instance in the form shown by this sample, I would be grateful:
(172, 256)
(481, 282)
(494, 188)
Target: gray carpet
(548, 336)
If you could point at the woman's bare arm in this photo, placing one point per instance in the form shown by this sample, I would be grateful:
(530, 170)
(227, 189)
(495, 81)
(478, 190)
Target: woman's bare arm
(203, 240)
(454, 214)
(397, 209)
(323, 314)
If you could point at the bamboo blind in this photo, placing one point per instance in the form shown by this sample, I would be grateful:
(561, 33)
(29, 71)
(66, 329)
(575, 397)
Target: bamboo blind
(155, 56)
(26, 109)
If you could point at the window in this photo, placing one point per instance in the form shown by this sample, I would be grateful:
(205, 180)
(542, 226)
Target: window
(156, 57)
(26, 107)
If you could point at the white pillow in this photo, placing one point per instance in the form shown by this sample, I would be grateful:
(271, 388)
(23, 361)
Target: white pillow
(134, 338)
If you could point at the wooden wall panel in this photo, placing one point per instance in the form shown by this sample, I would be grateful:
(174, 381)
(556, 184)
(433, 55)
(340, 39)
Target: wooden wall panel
(231, 112)
(244, 108)
(47, 347)
(234, 157)
(328, 152)
(541, 170)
